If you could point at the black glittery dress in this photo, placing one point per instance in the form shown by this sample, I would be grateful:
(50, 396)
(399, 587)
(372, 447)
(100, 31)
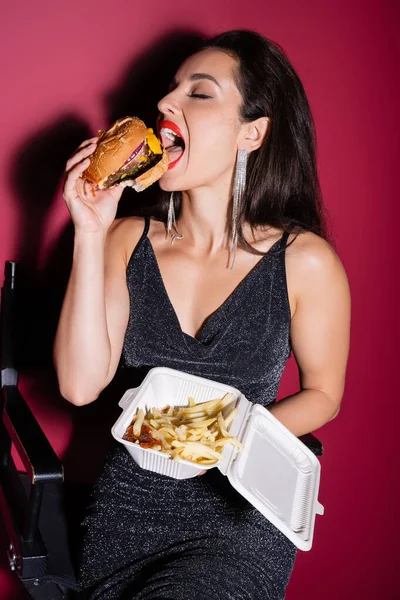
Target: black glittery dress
(148, 536)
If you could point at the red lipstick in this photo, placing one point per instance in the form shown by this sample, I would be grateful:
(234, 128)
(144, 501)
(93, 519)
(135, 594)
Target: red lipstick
(172, 126)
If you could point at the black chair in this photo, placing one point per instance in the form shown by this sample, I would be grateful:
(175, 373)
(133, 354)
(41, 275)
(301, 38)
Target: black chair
(36, 505)
(32, 503)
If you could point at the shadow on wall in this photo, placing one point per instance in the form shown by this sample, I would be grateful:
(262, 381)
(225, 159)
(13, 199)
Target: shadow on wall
(144, 83)
(39, 167)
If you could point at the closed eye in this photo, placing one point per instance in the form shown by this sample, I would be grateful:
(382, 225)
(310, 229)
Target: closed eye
(201, 96)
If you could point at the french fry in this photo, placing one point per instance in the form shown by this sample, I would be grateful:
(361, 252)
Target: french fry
(138, 423)
(229, 418)
(197, 432)
(201, 424)
(169, 430)
(181, 432)
(222, 425)
(204, 407)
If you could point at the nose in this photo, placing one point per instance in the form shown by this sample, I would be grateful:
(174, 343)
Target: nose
(168, 105)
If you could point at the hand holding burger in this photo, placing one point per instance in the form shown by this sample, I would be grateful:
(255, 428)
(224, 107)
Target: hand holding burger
(127, 154)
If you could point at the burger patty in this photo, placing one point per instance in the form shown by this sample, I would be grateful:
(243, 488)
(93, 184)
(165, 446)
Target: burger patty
(142, 162)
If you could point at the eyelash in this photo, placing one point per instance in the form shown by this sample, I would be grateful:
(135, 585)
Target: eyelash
(200, 96)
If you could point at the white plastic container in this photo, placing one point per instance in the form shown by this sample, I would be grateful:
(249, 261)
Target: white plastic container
(274, 471)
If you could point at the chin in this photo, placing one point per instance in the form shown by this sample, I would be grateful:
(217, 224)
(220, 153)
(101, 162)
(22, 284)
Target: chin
(168, 186)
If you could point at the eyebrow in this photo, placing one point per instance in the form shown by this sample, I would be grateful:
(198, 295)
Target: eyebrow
(199, 76)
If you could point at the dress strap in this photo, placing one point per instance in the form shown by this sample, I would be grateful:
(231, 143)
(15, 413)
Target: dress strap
(146, 228)
(284, 240)
(145, 231)
(142, 238)
(282, 252)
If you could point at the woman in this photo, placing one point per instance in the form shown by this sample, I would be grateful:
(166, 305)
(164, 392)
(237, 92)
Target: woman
(243, 277)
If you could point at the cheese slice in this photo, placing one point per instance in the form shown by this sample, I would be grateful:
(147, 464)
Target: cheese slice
(153, 142)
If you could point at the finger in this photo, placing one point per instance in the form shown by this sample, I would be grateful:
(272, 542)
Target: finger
(202, 473)
(79, 156)
(90, 143)
(87, 142)
(90, 190)
(87, 188)
(73, 176)
(80, 188)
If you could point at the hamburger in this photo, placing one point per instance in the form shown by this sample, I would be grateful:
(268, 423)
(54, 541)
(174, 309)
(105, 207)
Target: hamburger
(127, 154)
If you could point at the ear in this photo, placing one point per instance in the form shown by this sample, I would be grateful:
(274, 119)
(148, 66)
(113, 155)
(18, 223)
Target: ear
(253, 134)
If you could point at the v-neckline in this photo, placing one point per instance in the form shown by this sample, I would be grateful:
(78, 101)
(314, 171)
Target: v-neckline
(222, 306)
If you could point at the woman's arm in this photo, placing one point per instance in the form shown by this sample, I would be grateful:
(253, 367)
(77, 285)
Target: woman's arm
(95, 310)
(319, 334)
(93, 318)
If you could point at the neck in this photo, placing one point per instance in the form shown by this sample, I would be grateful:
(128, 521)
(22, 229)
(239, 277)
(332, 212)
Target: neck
(203, 218)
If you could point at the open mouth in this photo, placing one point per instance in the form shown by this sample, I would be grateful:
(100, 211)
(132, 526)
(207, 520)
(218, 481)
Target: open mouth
(173, 142)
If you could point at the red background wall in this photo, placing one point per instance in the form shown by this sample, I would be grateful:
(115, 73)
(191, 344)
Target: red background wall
(65, 64)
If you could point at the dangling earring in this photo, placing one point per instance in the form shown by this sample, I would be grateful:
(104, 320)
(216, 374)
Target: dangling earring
(171, 221)
(239, 185)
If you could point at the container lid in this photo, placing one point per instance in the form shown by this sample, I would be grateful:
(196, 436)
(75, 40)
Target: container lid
(277, 474)
(274, 471)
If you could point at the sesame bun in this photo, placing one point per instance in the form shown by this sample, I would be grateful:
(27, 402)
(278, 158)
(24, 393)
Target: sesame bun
(114, 147)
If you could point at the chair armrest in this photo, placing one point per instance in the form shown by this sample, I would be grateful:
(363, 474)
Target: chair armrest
(8, 320)
(312, 443)
(33, 447)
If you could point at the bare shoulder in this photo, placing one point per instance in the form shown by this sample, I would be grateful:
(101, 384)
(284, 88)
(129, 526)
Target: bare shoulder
(310, 251)
(123, 236)
(313, 265)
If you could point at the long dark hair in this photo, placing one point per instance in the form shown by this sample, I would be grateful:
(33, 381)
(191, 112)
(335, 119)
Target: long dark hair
(282, 186)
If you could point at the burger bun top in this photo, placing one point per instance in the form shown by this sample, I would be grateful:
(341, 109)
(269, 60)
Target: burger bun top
(114, 147)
